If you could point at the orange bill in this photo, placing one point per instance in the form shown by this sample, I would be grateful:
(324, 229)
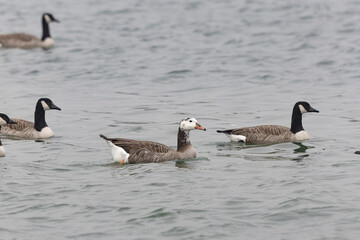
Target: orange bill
(198, 126)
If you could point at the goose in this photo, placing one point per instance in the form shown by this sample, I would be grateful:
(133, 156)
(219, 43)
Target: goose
(27, 41)
(4, 119)
(268, 134)
(28, 130)
(133, 151)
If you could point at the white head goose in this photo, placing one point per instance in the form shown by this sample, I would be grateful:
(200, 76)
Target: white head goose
(38, 129)
(27, 41)
(4, 119)
(133, 151)
(273, 133)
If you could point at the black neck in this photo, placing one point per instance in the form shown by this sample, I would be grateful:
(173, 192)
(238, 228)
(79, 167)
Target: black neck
(40, 122)
(296, 120)
(46, 30)
(0, 139)
(183, 140)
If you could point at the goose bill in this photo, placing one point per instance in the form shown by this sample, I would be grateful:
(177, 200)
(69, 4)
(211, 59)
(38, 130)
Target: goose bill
(199, 127)
(313, 110)
(53, 106)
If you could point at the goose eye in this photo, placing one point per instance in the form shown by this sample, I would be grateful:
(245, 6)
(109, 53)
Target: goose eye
(190, 121)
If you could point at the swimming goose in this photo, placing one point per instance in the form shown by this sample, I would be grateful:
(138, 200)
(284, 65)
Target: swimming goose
(273, 133)
(4, 119)
(133, 151)
(29, 130)
(27, 41)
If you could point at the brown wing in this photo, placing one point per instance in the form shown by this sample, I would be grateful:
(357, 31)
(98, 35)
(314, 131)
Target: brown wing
(263, 129)
(17, 37)
(144, 155)
(20, 126)
(128, 145)
(263, 134)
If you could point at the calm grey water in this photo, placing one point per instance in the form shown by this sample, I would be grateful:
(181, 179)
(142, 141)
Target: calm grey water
(134, 69)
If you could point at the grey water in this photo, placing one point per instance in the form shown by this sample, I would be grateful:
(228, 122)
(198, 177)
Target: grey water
(134, 69)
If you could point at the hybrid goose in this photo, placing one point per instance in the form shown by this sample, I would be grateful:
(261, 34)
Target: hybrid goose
(28, 130)
(133, 151)
(4, 119)
(27, 41)
(273, 133)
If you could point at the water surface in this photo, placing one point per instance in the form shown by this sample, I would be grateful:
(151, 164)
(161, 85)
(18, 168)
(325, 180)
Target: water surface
(134, 69)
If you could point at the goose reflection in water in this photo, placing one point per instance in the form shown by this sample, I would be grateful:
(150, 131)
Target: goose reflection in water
(236, 150)
(301, 147)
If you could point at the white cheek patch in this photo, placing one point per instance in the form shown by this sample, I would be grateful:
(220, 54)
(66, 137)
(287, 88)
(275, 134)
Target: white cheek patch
(2, 121)
(45, 106)
(47, 18)
(302, 109)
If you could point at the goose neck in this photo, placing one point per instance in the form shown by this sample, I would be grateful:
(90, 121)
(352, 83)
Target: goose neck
(183, 140)
(46, 30)
(296, 120)
(39, 122)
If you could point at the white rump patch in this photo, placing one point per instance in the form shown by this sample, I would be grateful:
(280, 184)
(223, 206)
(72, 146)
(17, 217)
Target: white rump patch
(2, 151)
(118, 153)
(45, 105)
(301, 136)
(46, 132)
(2, 121)
(236, 138)
(302, 109)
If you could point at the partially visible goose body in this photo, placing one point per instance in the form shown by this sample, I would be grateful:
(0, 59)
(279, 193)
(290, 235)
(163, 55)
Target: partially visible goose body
(27, 41)
(268, 134)
(4, 119)
(357, 152)
(133, 151)
(29, 130)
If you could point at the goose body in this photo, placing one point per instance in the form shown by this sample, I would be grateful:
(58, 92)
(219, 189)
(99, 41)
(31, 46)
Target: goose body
(27, 41)
(268, 134)
(4, 119)
(29, 130)
(133, 151)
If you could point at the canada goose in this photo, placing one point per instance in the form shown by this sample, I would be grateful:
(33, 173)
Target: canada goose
(4, 119)
(133, 151)
(273, 133)
(29, 130)
(27, 41)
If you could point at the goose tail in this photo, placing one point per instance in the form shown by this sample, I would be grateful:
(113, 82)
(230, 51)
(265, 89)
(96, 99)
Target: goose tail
(224, 131)
(118, 153)
(102, 136)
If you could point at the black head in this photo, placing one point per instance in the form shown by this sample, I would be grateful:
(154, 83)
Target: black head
(304, 107)
(47, 104)
(4, 119)
(48, 17)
